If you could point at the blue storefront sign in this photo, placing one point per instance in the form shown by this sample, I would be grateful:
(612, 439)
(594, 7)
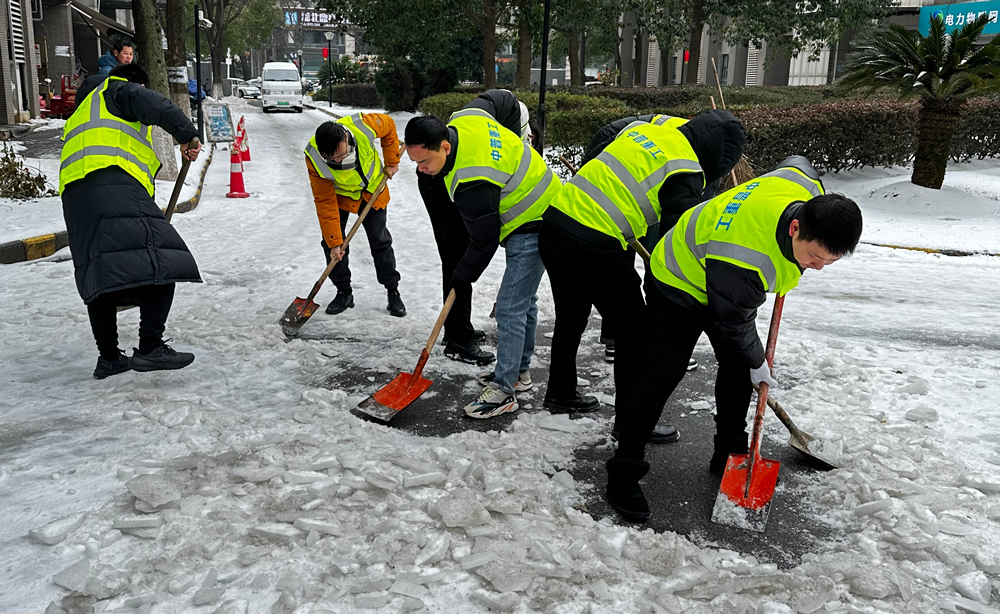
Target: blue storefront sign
(957, 15)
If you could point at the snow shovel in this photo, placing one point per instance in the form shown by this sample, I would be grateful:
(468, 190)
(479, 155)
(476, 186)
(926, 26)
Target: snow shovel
(405, 388)
(800, 439)
(302, 309)
(748, 483)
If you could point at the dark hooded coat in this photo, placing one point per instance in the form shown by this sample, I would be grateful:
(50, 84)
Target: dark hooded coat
(117, 234)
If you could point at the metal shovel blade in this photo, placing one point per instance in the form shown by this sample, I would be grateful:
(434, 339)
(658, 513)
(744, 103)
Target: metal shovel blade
(803, 443)
(296, 315)
(744, 500)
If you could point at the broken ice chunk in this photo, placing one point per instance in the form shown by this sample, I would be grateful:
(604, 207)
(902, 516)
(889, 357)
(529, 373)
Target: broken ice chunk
(495, 601)
(560, 422)
(304, 477)
(326, 528)
(140, 522)
(57, 530)
(74, 577)
(434, 551)
(700, 405)
(277, 532)
(255, 473)
(612, 544)
(462, 512)
(154, 490)
(478, 559)
(875, 506)
(408, 589)
(372, 602)
(207, 596)
(922, 414)
(380, 481)
(973, 585)
(233, 606)
(423, 479)
(351, 460)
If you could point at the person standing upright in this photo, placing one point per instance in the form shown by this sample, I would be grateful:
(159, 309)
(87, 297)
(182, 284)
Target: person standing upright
(344, 167)
(124, 250)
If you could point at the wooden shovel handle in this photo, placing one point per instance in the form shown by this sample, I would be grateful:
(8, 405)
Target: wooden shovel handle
(567, 163)
(357, 224)
(758, 419)
(782, 415)
(178, 185)
(641, 250)
(440, 321)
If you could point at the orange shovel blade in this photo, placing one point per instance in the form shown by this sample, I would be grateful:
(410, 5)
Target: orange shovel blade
(742, 507)
(402, 391)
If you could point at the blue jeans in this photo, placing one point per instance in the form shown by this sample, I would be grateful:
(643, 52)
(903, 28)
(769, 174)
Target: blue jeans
(517, 309)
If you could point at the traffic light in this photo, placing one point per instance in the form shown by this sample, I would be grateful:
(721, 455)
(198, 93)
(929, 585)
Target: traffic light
(326, 53)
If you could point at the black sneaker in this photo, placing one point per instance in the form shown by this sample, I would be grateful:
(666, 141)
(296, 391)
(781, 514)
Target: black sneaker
(395, 306)
(469, 352)
(660, 435)
(478, 336)
(161, 359)
(107, 368)
(576, 405)
(341, 303)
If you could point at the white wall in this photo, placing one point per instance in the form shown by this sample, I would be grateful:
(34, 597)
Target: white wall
(802, 71)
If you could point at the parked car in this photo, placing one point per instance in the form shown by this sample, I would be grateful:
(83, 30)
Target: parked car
(247, 90)
(281, 87)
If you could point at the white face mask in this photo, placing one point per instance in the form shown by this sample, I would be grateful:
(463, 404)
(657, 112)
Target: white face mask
(349, 161)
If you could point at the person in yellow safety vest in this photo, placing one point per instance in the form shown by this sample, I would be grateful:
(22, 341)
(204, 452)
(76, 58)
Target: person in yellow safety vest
(602, 139)
(344, 168)
(501, 187)
(710, 273)
(648, 172)
(124, 250)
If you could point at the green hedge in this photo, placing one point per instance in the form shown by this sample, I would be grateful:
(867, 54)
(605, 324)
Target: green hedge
(353, 95)
(836, 136)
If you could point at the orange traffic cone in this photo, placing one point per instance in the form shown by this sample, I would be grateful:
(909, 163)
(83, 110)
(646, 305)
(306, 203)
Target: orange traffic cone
(236, 189)
(244, 145)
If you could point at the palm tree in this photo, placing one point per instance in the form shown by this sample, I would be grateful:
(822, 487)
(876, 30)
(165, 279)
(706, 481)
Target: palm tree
(942, 70)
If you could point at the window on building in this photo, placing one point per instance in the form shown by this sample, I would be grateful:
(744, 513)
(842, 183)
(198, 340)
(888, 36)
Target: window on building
(724, 69)
(673, 70)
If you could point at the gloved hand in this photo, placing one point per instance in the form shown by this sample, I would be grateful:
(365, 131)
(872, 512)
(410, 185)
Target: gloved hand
(762, 374)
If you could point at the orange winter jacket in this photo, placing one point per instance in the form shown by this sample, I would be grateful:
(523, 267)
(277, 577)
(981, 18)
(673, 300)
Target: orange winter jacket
(329, 204)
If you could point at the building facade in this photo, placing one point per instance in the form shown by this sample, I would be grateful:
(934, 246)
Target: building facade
(18, 77)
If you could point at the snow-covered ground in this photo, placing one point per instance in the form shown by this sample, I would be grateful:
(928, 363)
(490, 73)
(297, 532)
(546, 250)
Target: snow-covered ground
(274, 498)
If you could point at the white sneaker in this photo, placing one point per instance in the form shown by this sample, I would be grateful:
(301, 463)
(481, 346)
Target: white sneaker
(522, 384)
(492, 402)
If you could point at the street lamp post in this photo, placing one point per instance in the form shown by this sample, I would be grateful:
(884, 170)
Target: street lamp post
(197, 72)
(301, 67)
(329, 66)
(540, 141)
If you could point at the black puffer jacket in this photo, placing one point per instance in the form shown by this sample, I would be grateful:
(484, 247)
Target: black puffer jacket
(117, 233)
(501, 104)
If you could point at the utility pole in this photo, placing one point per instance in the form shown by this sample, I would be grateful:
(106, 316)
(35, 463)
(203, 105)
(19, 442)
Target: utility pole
(197, 72)
(540, 141)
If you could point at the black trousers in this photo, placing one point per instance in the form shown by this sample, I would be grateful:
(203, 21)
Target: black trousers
(452, 240)
(582, 278)
(671, 334)
(154, 306)
(380, 243)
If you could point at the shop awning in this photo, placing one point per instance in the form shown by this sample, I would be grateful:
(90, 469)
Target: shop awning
(102, 24)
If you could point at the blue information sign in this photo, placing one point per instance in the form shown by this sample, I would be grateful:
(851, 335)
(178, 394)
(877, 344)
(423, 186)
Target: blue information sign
(957, 15)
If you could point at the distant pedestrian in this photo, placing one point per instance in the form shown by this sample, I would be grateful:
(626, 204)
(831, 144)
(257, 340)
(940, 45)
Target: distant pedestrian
(124, 250)
(121, 53)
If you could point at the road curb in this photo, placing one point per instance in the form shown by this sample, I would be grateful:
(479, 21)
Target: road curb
(328, 112)
(43, 246)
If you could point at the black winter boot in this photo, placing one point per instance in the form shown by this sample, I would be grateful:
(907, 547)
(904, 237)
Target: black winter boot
(107, 368)
(161, 359)
(576, 405)
(734, 443)
(468, 352)
(340, 303)
(624, 493)
(661, 435)
(395, 306)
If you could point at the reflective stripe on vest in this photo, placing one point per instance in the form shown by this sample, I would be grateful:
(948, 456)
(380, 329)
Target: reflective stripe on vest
(350, 183)
(624, 180)
(489, 152)
(681, 244)
(90, 123)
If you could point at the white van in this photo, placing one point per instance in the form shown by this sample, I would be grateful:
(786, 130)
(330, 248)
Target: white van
(281, 87)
